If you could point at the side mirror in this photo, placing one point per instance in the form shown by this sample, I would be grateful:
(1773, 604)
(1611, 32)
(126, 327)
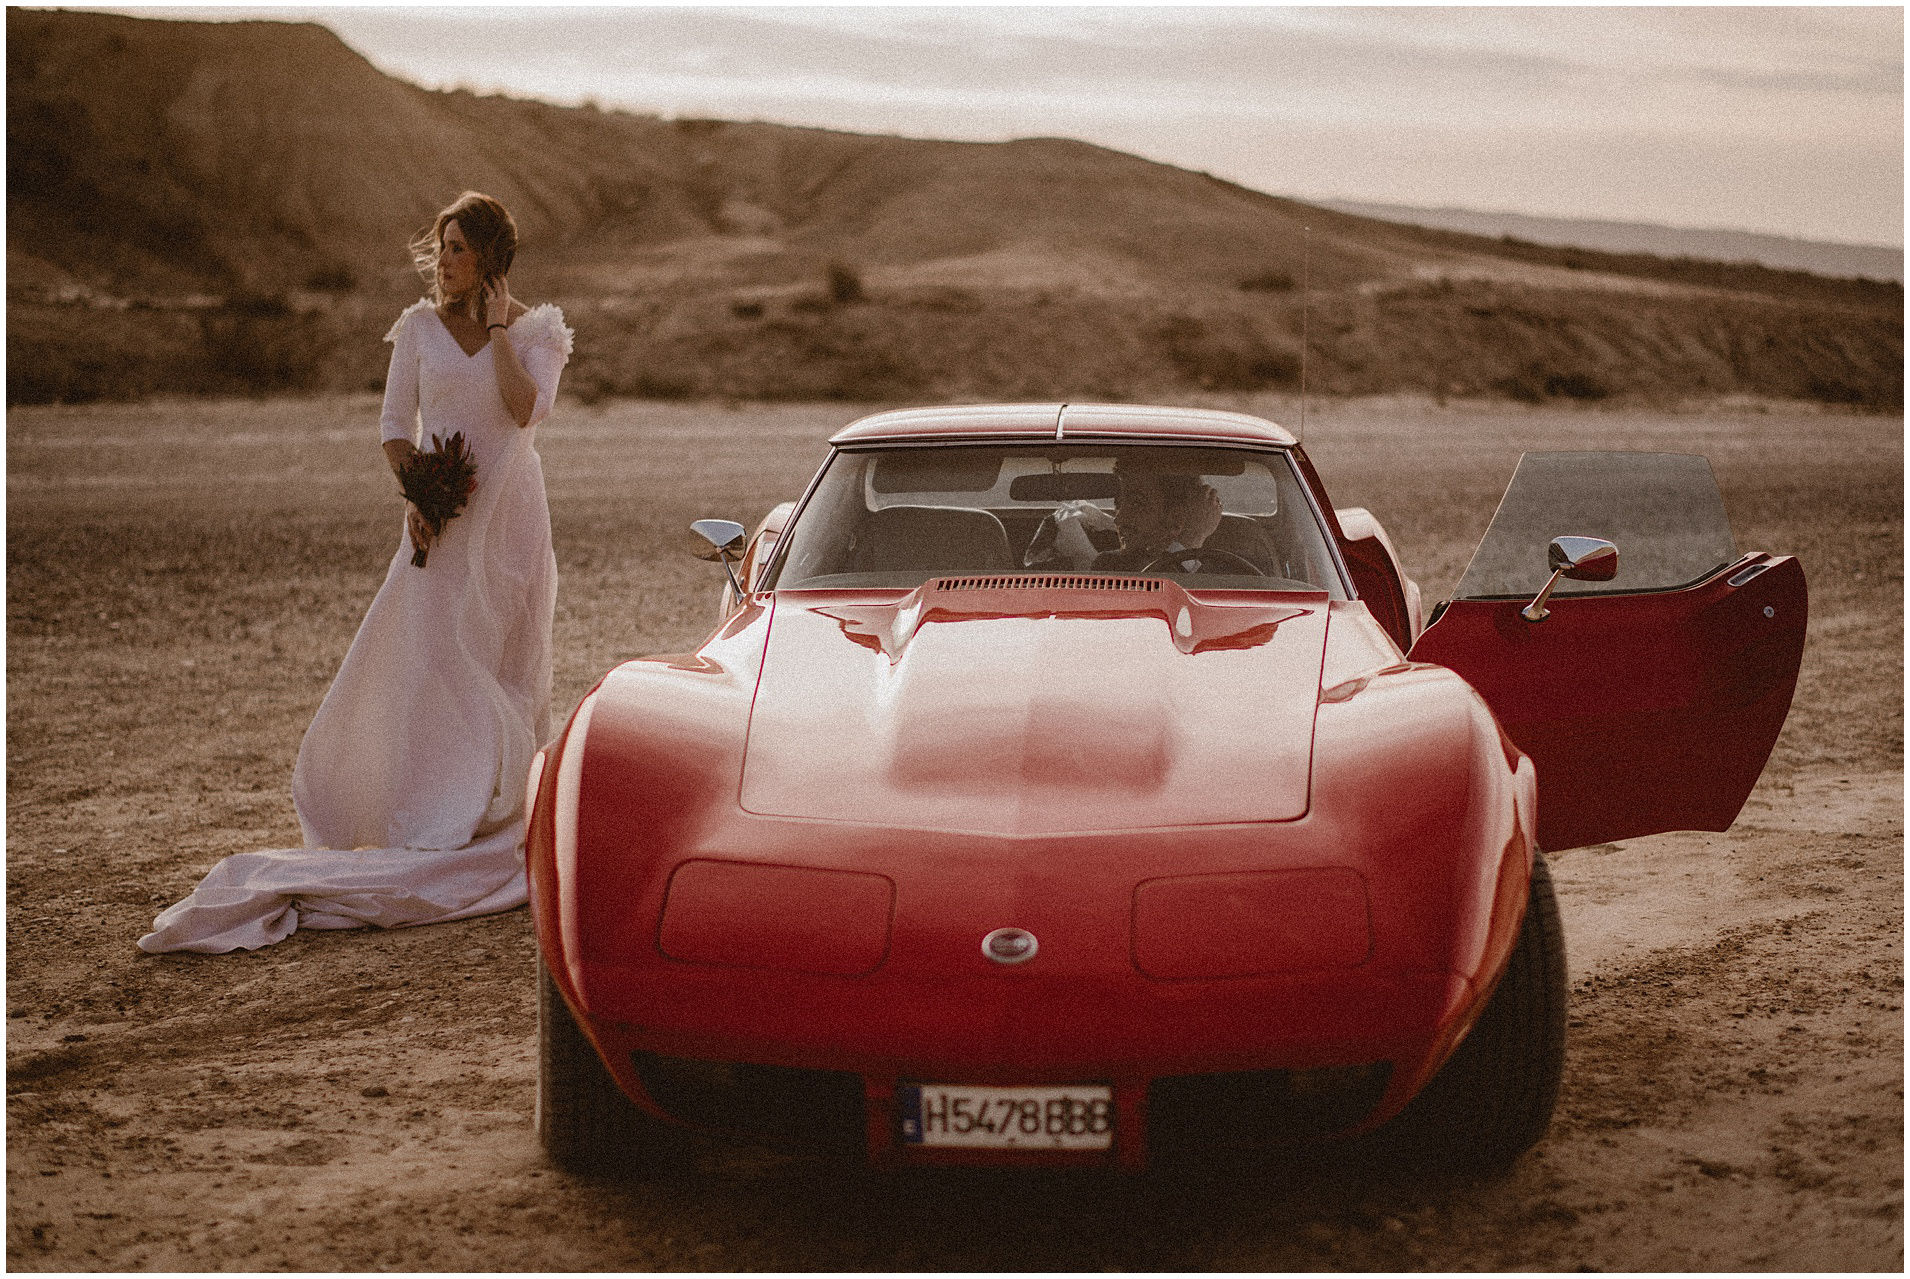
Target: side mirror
(723, 540)
(1583, 559)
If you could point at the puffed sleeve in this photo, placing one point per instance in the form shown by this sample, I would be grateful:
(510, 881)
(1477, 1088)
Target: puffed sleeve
(399, 420)
(543, 343)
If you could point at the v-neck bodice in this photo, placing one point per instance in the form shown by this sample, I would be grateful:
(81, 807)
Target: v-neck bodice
(459, 342)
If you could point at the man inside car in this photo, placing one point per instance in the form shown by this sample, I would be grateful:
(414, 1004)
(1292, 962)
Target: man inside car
(1163, 517)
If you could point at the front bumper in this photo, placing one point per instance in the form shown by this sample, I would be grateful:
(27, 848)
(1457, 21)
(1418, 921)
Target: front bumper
(1278, 1064)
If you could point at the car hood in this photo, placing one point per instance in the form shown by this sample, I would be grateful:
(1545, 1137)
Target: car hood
(974, 711)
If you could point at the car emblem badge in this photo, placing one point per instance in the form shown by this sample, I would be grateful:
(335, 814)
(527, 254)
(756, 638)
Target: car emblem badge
(1010, 945)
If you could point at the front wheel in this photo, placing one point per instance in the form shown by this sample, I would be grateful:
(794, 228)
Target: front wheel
(586, 1123)
(1493, 1099)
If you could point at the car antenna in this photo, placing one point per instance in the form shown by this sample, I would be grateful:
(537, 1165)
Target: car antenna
(1306, 300)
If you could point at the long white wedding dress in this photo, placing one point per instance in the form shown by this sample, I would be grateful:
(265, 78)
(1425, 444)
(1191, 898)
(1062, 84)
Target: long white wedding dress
(410, 781)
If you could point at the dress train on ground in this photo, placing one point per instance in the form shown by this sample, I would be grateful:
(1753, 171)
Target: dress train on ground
(410, 781)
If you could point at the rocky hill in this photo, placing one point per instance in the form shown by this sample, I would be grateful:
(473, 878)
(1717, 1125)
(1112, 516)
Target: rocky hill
(224, 207)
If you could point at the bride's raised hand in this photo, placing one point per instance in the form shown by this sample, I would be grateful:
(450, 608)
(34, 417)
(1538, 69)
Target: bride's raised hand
(497, 302)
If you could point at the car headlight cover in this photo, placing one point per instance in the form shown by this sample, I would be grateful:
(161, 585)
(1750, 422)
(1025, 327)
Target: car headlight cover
(790, 917)
(1258, 922)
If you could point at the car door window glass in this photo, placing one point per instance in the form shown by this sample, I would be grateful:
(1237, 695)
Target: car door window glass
(1662, 510)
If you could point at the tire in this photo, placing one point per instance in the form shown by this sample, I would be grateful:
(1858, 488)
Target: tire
(1493, 1099)
(585, 1121)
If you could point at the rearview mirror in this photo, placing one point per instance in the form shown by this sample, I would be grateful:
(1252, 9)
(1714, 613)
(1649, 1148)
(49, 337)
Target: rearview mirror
(1583, 559)
(1064, 486)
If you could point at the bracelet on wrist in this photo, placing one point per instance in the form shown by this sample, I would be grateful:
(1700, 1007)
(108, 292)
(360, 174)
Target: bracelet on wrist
(489, 327)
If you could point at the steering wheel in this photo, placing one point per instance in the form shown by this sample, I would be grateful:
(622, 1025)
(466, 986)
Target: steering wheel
(1200, 556)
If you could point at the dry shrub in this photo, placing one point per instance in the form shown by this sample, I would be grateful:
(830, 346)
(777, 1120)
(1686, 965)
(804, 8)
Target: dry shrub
(81, 354)
(1267, 282)
(1835, 391)
(332, 277)
(947, 298)
(1537, 384)
(845, 284)
(1237, 360)
(259, 345)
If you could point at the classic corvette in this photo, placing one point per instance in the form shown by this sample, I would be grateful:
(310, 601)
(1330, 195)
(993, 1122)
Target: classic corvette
(1074, 784)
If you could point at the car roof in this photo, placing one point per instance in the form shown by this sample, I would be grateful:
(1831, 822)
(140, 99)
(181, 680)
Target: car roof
(1062, 422)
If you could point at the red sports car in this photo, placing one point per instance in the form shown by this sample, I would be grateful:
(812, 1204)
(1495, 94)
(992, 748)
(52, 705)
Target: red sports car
(1073, 784)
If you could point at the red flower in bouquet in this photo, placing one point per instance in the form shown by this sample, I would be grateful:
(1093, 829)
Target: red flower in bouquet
(438, 481)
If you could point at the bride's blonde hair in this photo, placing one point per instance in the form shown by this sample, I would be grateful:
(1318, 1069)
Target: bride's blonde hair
(489, 230)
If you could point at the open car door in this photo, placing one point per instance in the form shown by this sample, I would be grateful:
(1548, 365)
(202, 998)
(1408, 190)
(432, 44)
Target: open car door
(1648, 702)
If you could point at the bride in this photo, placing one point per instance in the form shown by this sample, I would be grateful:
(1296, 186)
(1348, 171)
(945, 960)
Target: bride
(410, 781)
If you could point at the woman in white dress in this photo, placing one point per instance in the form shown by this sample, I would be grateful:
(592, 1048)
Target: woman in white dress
(410, 781)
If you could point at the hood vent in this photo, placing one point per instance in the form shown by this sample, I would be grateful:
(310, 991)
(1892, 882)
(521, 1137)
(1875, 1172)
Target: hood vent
(1047, 582)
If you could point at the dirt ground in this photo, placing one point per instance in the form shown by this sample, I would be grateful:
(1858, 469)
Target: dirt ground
(184, 577)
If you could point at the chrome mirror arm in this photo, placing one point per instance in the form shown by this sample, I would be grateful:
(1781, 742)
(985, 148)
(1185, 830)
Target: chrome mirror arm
(1536, 610)
(731, 574)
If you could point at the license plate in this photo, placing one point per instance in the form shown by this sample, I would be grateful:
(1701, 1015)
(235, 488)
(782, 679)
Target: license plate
(1073, 1117)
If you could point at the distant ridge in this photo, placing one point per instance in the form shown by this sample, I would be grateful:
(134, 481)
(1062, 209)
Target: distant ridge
(1821, 257)
(223, 208)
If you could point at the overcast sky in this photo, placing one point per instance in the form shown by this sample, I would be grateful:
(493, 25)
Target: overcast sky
(1783, 120)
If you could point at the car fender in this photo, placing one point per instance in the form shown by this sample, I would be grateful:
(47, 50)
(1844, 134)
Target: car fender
(1438, 810)
(649, 755)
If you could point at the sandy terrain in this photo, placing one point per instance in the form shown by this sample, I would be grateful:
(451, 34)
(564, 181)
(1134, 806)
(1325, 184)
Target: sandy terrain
(183, 579)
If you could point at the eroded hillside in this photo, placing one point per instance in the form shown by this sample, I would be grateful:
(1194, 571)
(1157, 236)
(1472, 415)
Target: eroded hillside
(223, 207)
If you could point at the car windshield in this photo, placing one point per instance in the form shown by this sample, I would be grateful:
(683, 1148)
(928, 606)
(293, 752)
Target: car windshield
(1229, 519)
